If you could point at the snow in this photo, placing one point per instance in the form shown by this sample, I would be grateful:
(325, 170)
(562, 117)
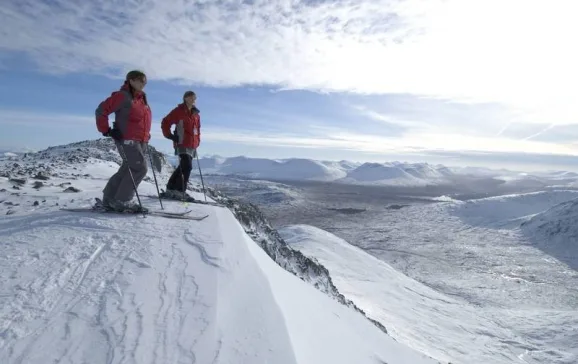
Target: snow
(410, 310)
(485, 281)
(289, 169)
(508, 209)
(555, 231)
(96, 288)
(383, 174)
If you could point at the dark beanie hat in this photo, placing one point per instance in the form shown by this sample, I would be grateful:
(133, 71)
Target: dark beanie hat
(188, 93)
(134, 74)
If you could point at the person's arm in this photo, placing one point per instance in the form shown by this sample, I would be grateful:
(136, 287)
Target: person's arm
(198, 131)
(166, 124)
(105, 108)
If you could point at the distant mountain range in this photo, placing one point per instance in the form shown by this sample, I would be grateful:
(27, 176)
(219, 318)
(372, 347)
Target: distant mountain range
(387, 173)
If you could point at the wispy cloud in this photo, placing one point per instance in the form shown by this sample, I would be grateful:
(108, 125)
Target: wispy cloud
(324, 136)
(19, 119)
(517, 52)
(368, 143)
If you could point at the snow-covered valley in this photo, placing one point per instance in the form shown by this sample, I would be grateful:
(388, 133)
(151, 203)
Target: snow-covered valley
(479, 280)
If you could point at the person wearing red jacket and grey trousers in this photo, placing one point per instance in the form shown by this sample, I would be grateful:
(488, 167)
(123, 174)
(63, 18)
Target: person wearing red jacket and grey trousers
(131, 132)
(186, 139)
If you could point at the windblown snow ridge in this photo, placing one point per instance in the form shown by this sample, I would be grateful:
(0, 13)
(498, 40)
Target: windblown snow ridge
(293, 261)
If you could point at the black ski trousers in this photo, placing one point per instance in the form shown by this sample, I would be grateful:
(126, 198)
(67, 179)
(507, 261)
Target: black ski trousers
(180, 177)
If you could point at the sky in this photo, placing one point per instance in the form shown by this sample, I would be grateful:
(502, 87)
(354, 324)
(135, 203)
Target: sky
(457, 82)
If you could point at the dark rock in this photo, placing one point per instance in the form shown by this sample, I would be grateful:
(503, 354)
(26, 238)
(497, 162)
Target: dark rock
(20, 181)
(10, 212)
(38, 184)
(396, 207)
(36, 203)
(72, 189)
(16, 187)
(41, 176)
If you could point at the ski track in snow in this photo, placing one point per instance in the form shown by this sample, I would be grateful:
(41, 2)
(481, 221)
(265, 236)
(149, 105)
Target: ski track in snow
(84, 281)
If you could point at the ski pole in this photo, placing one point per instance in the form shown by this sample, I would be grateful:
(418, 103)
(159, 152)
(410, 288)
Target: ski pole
(155, 176)
(181, 157)
(201, 174)
(125, 159)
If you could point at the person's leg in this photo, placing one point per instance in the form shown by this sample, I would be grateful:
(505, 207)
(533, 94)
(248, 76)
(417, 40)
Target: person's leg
(186, 167)
(136, 163)
(140, 173)
(175, 179)
(111, 188)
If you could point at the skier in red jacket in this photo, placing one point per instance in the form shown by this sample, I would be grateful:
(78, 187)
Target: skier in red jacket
(186, 139)
(131, 132)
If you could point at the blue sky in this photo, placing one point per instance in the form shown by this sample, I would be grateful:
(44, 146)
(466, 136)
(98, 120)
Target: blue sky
(458, 82)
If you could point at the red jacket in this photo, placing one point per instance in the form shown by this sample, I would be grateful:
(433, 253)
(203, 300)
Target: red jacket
(188, 124)
(132, 114)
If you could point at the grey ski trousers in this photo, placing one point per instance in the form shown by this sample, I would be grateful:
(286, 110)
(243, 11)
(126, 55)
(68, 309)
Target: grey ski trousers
(119, 186)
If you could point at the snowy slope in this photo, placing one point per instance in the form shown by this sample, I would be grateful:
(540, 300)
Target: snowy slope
(557, 222)
(93, 288)
(441, 325)
(555, 231)
(384, 174)
(509, 209)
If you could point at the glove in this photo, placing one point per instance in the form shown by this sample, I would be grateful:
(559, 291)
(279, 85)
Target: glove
(174, 138)
(115, 134)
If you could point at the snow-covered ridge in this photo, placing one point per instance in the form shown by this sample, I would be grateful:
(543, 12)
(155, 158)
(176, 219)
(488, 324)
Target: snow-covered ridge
(306, 268)
(559, 221)
(94, 288)
(555, 231)
(53, 160)
(51, 171)
(513, 208)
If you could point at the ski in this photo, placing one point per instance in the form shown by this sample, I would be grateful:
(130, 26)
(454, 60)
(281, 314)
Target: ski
(187, 201)
(170, 215)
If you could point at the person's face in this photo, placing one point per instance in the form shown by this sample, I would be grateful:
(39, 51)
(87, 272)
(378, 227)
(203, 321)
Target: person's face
(138, 83)
(191, 99)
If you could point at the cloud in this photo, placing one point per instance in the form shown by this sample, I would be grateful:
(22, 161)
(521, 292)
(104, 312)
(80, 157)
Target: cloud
(331, 137)
(342, 139)
(517, 52)
(18, 118)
